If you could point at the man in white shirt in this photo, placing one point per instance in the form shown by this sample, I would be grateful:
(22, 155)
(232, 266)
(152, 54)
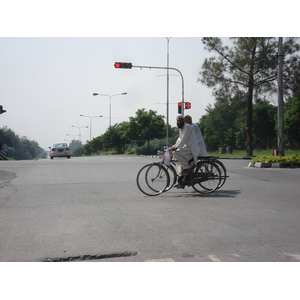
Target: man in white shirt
(186, 146)
(198, 133)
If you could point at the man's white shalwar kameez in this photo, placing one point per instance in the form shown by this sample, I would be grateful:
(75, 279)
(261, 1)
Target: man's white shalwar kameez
(187, 146)
(200, 140)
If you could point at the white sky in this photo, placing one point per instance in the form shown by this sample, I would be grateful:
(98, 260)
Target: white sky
(53, 58)
(46, 83)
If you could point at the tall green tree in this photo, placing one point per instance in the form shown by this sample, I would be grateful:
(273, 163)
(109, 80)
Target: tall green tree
(224, 124)
(115, 138)
(145, 126)
(264, 125)
(250, 64)
(221, 123)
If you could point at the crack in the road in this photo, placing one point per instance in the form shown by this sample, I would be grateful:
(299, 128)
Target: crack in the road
(89, 257)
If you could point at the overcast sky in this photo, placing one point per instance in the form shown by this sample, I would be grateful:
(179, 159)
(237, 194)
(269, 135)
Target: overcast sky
(53, 58)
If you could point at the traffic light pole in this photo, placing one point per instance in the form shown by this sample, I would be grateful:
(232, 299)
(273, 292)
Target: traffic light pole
(167, 68)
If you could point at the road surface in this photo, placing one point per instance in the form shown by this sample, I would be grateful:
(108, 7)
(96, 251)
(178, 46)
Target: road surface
(89, 208)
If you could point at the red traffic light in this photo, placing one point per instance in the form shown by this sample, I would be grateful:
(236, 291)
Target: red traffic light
(179, 107)
(187, 105)
(123, 65)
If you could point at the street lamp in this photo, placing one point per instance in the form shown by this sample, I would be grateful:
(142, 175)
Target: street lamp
(72, 135)
(90, 123)
(110, 96)
(79, 130)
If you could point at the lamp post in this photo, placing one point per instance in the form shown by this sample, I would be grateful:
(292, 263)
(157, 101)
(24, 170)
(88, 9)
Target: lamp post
(72, 135)
(91, 123)
(110, 96)
(79, 130)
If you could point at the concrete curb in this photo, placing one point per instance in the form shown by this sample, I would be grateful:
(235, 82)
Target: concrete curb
(273, 165)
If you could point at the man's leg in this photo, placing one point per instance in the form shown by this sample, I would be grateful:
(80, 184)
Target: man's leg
(183, 156)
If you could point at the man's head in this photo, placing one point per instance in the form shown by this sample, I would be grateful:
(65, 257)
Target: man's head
(180, 121)
(188, 119)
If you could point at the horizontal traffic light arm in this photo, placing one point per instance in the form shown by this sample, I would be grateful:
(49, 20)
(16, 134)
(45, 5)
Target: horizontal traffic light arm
(129, 66)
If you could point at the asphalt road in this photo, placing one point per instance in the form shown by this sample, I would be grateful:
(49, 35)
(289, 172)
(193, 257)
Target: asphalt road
(90, 209)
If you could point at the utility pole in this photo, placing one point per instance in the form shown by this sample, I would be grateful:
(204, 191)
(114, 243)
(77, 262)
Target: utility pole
(280, 150)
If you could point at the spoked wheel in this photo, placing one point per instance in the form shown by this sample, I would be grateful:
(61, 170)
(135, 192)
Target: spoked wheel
(153, 179)
(206, 177)
(173, 176)
(223, 172)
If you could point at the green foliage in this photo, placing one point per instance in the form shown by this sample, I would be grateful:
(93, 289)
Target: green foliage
(23, 147)
(115, 138)
(225, 123)
(78, 152)
(74, 145)
(264, 124)
(292, 122)
(95, 145)
(145, 126)
(141, 129)
(250, 65)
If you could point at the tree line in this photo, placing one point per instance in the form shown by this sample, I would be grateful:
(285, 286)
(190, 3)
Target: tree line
(144, 133)
(225, 124)
(20, 147)
(250, 64)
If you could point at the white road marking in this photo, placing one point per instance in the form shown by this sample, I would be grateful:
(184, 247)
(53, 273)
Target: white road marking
(161, 260)
(236, 255)
(214, 258)
(293, 255)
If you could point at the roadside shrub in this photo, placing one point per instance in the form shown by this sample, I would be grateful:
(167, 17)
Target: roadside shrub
(277, 159)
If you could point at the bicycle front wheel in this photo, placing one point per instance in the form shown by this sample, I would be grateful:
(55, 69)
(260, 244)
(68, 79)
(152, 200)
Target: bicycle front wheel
(173, 176)
(153, 179)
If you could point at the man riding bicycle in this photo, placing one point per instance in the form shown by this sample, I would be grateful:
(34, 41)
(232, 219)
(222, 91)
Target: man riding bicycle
(186, 146)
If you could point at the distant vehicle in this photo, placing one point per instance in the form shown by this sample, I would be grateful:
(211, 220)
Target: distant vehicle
(60, 150)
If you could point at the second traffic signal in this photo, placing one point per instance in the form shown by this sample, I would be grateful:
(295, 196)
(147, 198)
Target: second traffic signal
(187, 105)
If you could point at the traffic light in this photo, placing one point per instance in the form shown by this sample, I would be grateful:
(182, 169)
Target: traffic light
(179, 107)
(187, 105)
(123, 65)
(2, 110)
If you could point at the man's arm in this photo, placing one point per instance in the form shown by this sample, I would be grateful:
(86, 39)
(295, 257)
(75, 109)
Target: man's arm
(186, 135)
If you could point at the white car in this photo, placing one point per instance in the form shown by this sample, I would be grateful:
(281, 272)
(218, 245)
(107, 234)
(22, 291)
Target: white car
(60, 150)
